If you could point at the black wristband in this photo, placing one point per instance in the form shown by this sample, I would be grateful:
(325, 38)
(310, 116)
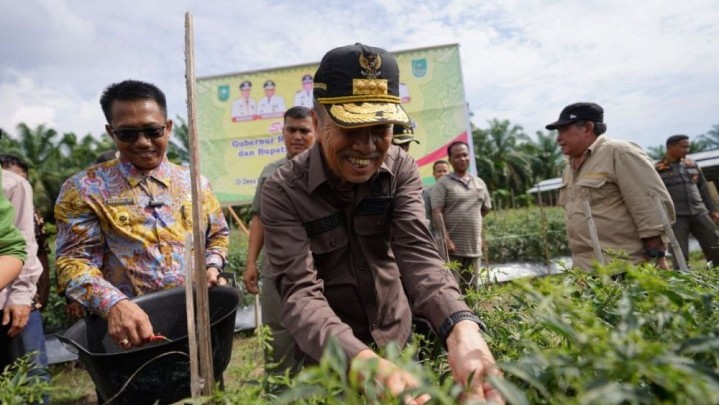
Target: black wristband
(448, 324)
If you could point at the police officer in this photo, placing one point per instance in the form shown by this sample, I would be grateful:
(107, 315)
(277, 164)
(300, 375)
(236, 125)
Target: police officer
(271, 105)
(304, 97)
(696, 211)
(244, 107)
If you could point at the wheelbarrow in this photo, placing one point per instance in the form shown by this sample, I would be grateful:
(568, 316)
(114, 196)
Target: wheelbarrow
(157, 372)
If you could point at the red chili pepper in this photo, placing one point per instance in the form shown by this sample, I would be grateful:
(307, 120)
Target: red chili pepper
(159, 338)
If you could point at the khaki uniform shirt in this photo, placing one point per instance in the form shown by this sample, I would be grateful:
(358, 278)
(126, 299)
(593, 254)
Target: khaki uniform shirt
(620, 183)
(342, 260)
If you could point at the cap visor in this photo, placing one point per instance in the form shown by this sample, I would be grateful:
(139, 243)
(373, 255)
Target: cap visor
(559, 123)
(396, 141)
(357, 115)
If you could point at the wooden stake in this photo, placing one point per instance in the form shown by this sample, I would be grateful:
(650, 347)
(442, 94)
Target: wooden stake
(239, 221)
(195, 380)
(593, 232)
(200, 278)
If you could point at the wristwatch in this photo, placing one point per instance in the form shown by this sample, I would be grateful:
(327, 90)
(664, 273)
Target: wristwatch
(654, 253)
(448, 324)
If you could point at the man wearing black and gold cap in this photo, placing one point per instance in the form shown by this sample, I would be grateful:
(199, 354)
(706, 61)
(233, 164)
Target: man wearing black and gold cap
(620, 184)
(345, 233)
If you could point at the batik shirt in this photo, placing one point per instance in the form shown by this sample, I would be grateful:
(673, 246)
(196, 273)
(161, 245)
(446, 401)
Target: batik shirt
(121, 233)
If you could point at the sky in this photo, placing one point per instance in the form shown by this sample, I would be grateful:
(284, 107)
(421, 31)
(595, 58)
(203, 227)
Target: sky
(653, 65)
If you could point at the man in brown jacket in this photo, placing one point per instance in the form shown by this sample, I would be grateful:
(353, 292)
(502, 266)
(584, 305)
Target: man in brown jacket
(345, 234)
(619, 181)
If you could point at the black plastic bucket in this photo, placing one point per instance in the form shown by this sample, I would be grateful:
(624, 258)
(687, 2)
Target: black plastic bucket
(156, 372)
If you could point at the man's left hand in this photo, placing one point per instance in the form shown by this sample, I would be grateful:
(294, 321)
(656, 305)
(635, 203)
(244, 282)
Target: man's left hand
(213, 277)
(714, 216)
(19, 315)
(470, 357)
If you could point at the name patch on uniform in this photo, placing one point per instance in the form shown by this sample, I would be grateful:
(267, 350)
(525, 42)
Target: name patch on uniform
(120, 201)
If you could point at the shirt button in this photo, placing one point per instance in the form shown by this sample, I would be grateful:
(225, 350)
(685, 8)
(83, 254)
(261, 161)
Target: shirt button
(333, 243)
(362, 268)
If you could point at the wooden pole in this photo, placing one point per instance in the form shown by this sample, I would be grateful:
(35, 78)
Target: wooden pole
(200, 273)
(593, 232)
(239, 221)
(195, 380)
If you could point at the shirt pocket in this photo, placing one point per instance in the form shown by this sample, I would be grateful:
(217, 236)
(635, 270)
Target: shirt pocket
(593, 190)
(329, 251)
(329, 241)
(370, 225)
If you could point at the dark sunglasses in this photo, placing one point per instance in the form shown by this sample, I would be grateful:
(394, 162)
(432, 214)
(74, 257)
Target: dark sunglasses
(131, 134)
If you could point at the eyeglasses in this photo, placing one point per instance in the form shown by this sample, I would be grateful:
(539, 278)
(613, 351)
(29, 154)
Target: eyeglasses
(131, 134)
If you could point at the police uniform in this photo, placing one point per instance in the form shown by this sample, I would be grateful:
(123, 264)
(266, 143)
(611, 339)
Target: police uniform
(304, 97)
(693, 203)
(244, 108)
(271, 107)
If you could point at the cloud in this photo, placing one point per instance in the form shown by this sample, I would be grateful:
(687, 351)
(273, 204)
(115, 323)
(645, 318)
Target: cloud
(60, 108)
(651, 64)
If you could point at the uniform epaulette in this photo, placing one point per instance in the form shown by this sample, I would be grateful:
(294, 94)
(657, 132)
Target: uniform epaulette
(662, 165)
(690, 163)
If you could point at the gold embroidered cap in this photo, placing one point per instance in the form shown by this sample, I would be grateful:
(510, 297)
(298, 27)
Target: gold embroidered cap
(359, 87)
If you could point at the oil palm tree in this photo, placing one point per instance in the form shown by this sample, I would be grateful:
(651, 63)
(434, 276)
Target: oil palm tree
(499, 158)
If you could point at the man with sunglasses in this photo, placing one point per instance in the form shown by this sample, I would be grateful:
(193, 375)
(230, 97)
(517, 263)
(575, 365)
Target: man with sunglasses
(122, 224)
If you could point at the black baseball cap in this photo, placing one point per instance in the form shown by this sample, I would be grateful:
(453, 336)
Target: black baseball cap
(578, 112)
(359, 87)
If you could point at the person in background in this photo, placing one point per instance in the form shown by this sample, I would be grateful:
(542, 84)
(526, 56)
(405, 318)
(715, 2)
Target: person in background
(346, 240)
(12, 244)
(619, 182)
(695, 210)
(20, 167)
(460, 201)
(122, 224)
(440, 169)
(402, 136)
(21, 331)
(299, 136)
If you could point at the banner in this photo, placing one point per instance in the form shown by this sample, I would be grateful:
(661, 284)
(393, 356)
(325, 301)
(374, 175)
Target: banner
(240, 116)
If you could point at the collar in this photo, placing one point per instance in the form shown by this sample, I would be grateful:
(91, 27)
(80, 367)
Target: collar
(595, 146)
(318, 171)
(453, 175)
(161, 173)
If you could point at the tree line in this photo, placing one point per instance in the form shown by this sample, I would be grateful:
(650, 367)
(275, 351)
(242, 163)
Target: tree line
(52, 157)
(509, 160)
